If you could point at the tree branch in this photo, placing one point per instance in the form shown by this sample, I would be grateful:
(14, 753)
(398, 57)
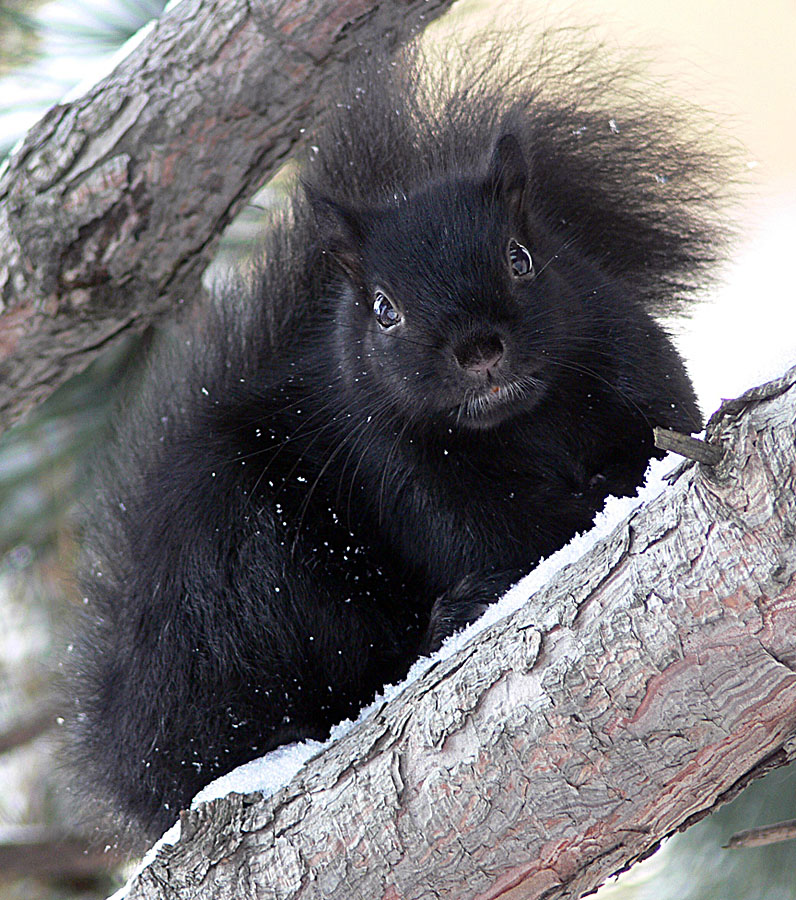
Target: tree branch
(646, 685)
(27, 728)
(112, 208)
(40, 853)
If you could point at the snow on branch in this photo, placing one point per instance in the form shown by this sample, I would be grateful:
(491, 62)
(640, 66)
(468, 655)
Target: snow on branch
(112, 207)
(646, 684)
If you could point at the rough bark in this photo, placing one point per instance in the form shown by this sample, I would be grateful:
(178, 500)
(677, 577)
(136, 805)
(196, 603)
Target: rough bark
(647, 684)
(111, 209)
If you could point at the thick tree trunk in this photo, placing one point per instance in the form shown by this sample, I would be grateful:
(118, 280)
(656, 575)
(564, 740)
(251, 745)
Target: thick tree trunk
(112, 208)
(645, 685)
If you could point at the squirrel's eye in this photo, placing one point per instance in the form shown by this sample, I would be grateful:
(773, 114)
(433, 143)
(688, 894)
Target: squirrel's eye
(386, 314)
(520, 259)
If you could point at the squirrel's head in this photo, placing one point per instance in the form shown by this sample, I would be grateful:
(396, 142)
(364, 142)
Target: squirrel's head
(455, 303)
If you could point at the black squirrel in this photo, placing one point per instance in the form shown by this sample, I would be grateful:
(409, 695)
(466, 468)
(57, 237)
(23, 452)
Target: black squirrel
(445, 361)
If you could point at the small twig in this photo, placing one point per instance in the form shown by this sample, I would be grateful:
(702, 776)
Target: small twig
(766, 834)
(687, 446)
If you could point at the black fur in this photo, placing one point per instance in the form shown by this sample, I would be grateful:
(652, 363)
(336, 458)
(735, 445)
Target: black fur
(305, 500)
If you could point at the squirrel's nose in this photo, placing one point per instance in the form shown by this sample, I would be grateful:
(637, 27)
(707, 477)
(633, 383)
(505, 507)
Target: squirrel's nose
(480, 357)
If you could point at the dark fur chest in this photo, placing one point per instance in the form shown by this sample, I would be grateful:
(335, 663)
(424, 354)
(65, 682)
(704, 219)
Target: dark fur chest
(413, 506)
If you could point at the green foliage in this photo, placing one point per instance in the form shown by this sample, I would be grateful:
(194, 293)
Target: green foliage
(41, 459)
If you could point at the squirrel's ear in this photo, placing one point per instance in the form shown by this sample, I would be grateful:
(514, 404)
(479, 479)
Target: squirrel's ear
(339, 232)
(508, 174)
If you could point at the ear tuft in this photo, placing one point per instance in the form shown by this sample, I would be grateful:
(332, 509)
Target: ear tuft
(339, 231)
(508, 173)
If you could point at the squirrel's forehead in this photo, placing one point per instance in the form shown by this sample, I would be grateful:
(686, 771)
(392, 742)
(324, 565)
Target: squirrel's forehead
(421, 227)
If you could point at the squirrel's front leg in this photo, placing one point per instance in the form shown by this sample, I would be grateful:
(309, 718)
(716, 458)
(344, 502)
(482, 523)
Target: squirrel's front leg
(465, 602)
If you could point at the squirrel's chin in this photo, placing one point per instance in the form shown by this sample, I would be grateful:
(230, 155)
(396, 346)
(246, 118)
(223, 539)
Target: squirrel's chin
(490, 406)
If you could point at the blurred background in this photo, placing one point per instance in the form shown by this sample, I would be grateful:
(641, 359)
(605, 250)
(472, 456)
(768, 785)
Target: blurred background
(734, 58)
